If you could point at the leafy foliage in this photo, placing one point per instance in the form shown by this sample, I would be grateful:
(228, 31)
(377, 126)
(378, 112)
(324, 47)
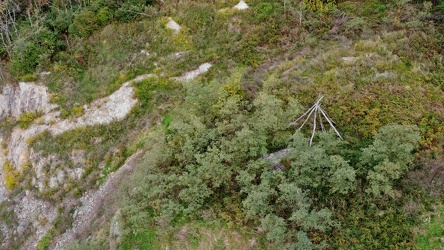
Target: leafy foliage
(85, 23)
(11, 176)
(26, 119)
(382, 66)
(33, 50)
(212, 150)
(390, 155)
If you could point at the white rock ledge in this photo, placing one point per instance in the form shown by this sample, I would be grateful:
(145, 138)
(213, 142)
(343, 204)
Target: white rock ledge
(188, 76)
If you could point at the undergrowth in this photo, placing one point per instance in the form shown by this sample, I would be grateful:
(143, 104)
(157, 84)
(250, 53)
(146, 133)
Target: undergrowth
(376, 62)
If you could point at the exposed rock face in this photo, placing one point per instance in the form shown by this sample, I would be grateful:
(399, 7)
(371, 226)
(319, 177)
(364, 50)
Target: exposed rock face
(188, 76)
(50, 172)
(36, 214)
(18, 150)
(115, 233)
(103, 111)
(92, 201)
(277, 156)
(27, 97)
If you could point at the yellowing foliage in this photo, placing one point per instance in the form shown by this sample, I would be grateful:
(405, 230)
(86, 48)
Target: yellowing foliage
(11, 176)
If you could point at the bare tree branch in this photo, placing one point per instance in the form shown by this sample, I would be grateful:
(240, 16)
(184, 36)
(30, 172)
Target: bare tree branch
(318, 113)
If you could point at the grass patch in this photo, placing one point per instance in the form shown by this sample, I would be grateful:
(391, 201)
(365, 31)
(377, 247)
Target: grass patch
(431, 234)
(11, 176)
(45, 242)
(193, 235)
(144, 240)
(26, 119)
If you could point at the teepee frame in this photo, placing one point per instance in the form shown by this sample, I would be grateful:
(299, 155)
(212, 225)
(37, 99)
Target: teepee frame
(317, 112)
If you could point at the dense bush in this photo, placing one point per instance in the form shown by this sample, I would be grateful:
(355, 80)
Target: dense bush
(85, 23)
(37, 49)
(389, 157)
(59, 20)
(213, 148)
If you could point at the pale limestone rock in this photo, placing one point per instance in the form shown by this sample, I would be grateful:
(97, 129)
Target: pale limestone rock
(35, 213)
(144, 52)
(385, 74)
(31, 97)
(172, 25)
(18, 153)
(44, 73)
(53, 182)
(115, 233)
(27, 97)
(241, 5)
(78, 157)
(75, 174)
(103, 111)
(276, 157)
(188, 76)
(3, 159)
(93, 199)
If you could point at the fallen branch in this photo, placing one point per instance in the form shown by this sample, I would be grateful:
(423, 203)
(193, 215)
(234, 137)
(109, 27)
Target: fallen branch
(318, 112)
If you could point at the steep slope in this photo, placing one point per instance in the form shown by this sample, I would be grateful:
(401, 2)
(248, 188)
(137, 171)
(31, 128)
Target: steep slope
(141, 124)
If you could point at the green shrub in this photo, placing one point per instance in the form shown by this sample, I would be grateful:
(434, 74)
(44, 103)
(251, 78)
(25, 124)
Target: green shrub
(320, 5)
(431, 237)
(84, 24)
(128, 10)
(212, 152)
(11, 176)
(46, 240)
(389, 157)
(26, 119)
(59, 20)
(103, 16)
(263, 11)
(213, 148)
(31, 51)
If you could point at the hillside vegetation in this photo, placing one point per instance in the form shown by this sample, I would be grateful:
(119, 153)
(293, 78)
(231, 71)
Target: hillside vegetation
(205, 181)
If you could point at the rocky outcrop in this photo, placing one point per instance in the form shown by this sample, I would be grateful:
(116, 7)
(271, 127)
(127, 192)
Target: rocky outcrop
(188, 76)
(49, 172)
(92, 201)
(35, 214)
(102, 111)
(115, 231)
(27, 97)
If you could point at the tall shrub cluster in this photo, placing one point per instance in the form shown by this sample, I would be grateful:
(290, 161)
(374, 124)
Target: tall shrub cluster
(32, 33)
(212, 153)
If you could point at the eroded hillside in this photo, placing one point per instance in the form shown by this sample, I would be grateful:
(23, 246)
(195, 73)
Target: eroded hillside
(141, 124)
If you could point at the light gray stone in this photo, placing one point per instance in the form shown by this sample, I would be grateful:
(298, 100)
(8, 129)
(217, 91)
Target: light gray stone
(115, 233)
(188, 76)
(241, 5)
(172, 25)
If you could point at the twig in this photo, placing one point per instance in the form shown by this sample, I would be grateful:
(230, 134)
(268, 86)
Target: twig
(328, 120)
(314, 128)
